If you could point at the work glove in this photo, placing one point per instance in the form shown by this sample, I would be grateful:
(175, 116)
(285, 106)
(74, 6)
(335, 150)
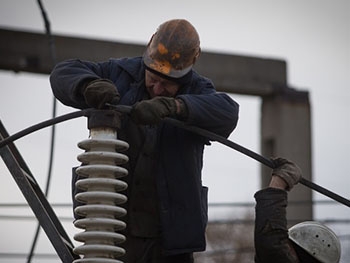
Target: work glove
(99, 92)
(153, 111)
(288, 171)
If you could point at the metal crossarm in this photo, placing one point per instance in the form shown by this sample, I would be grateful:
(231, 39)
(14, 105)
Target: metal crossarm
(43, 211)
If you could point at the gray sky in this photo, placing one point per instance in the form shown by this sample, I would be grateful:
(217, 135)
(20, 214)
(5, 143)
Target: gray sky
(312, 36)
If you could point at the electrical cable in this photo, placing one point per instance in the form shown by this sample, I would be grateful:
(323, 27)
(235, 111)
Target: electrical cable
(44, 124)
(268, 162)
(210, 135)
(215, 205)
(53, 128)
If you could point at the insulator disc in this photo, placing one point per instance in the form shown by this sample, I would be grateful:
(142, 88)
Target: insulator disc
(118, 145)
(98, 196)
(103, 156)
(86, 183)
(100, 222)
(85, 210)
(101, 169)
(102, 235)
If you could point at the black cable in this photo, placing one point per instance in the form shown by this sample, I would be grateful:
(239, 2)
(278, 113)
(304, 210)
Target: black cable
(268, 162)
(44, 124)
(214, 137)
(216, 204)
(210, 135)
(53, 128)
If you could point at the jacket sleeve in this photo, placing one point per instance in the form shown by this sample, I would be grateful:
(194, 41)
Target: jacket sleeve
(69, 77)
(271, 234)
(211, 110)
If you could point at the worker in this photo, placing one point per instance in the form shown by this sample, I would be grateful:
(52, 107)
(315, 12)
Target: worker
(167, 203)
(308, 241)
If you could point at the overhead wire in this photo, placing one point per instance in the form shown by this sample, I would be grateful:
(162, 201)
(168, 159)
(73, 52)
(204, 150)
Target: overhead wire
(53, 128)
(213, 204)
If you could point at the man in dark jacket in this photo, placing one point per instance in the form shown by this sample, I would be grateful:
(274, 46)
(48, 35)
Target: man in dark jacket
(167, 204)
(306, 242)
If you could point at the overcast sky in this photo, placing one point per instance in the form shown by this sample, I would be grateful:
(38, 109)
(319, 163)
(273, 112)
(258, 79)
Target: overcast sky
(313, 37)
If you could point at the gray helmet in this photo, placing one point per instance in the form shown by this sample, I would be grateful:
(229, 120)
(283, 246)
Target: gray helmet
(317, 240)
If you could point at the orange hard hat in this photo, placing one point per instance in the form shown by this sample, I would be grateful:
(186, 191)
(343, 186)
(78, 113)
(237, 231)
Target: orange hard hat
(173, 49)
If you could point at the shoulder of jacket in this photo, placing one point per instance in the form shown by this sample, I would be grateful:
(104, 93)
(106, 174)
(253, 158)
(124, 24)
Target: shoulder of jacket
(133, 65)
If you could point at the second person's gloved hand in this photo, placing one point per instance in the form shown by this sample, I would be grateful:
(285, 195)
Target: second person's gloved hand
(288, 171)
(154, 110)
(99, 92)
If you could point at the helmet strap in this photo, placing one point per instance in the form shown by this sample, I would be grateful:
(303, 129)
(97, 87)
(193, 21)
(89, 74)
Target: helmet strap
(181, 81)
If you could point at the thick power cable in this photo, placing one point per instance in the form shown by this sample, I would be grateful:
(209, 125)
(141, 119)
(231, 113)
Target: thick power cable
(268, 162)
(44, 124)
(210, 135)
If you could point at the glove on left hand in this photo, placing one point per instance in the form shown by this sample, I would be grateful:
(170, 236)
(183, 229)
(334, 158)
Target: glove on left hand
(153, 111)
(99, 92)
(288, 171)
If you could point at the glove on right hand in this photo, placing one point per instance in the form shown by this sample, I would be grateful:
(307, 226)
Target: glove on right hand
(153, 111)
(99, 92)
(288, 171)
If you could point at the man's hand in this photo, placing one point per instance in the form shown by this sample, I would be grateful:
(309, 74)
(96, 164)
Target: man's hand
(99, 92)
(288, 171)
(154, 110)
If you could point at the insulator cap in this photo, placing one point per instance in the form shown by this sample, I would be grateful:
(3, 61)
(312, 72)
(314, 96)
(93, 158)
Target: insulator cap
(104, 119)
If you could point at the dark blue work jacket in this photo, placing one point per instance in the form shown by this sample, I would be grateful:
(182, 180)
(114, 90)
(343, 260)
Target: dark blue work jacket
(181, 198)
(271, 233)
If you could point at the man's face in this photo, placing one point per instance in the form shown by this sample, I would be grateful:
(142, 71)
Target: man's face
(158, 86)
